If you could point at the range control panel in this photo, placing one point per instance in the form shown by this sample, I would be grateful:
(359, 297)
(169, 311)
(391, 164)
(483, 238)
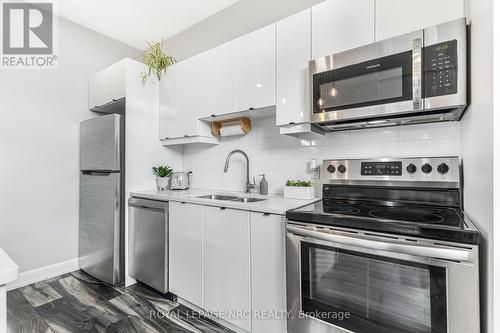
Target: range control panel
(381, 168)
(433, 169)
(440, 64)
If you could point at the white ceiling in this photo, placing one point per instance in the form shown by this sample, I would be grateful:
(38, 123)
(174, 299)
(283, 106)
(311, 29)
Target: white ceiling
(135, 21)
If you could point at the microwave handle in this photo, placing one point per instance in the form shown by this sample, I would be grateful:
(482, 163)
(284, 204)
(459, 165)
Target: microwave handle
(417, 73)
(446, 253)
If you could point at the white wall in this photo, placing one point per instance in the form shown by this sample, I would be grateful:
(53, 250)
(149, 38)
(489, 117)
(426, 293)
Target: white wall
(477, 138)
(284, 157)
(40, 112)
(243, 17)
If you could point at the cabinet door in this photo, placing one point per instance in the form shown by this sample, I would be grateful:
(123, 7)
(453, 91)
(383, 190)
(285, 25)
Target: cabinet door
(339, 25)
(108, 85)
(396, 17)
(168, 106)
(293, 51)
(185, 94)
(186, 251)
(253, 69)
(178, 113)
(268, 271)
(214, 81)
(227, 263)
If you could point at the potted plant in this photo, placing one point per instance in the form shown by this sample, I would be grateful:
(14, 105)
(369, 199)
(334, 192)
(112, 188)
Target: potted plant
(156, 60)
(163, 174)
(299, 189)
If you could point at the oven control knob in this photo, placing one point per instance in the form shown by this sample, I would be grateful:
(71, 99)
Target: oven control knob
(331, 168)
(342, 168)
(411, 168)
(426, 168)
(443, 168)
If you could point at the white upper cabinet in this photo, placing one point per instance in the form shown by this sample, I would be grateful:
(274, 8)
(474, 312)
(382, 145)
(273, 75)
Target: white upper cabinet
(185, 95)
(253, 69)
(168, 106)
(396, 17)
(214, 81)
(339, 25)
(179, 122)
(108, 85)
(293, 51)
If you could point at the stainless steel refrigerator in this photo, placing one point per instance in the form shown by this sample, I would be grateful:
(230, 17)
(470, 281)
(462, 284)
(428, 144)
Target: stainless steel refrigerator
(101, 231)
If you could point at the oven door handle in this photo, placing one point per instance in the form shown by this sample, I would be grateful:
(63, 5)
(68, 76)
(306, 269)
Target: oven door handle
(446, 253)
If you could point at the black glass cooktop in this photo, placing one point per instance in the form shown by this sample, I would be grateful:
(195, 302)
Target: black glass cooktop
(445, 223)
(394, 213)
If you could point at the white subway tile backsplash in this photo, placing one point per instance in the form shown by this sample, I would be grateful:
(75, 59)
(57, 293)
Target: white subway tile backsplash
(283, 157)
(430, 131)
(372, 135)
(445, 147)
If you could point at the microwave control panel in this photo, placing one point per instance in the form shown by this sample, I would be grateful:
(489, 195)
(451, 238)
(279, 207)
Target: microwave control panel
(440, 64)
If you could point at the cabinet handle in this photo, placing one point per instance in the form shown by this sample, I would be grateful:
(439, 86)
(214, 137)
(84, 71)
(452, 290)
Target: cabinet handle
(183, 202)
(251, 109)
(291, 123)
(222, 208)
(212, 115)
(186, 136)
(266, 214)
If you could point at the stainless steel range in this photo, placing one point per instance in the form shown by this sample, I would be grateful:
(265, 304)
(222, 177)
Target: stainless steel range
(388, 249)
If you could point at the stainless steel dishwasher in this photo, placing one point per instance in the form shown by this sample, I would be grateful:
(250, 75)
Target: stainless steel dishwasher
(148, 242)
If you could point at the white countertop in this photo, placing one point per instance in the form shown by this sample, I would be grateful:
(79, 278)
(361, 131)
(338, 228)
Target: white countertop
(273, 204)
(9, 271)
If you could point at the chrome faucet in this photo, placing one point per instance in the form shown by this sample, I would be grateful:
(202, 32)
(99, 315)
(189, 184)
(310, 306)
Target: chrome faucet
(248, 185)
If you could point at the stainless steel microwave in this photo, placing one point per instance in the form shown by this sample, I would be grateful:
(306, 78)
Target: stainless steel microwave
(413, 78)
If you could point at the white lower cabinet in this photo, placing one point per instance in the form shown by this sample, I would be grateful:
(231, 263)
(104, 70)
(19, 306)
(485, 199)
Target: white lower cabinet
(226, 235)
(268, 273)
(230, 263)
(186, 251)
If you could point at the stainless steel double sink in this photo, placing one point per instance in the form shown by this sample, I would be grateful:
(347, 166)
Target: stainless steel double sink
(230, 198)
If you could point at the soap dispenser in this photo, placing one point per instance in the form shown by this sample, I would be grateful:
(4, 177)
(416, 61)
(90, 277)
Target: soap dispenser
(263, 185)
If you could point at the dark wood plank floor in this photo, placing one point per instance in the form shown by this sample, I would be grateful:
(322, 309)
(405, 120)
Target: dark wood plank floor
(76, 302)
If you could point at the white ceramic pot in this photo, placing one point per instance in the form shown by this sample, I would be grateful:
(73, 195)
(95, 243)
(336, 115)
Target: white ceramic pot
(299, 192)
(162, 183)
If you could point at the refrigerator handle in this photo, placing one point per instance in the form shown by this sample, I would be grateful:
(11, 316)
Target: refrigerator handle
(97, 173)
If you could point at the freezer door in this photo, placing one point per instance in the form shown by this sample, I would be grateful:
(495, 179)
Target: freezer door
(100, 223)
(100, 143)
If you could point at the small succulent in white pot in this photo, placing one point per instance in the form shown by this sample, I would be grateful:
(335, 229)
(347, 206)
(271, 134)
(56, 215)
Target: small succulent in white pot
(163, 173)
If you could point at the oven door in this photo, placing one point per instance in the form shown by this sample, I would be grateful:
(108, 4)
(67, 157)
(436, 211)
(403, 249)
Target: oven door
(370, 82)
(346, 283)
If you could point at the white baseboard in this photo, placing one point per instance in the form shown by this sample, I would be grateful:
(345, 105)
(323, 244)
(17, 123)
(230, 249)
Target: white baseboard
(43, 273)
